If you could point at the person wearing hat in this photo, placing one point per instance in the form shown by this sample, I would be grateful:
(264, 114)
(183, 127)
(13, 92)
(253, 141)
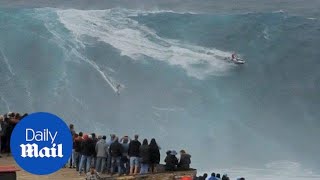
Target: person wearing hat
(171, 161)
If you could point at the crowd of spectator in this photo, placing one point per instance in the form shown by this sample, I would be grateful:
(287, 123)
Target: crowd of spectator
(7, 123)
(95, 155)
(215, 176)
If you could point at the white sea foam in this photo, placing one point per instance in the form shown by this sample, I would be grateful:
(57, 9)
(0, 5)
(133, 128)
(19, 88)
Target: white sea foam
(72, 47)
(142, 12)
(5, 103)
(7, 62)
(266, 34)
(279, 11)
(29, 95)
(312, 18)
(137, 41)
(168, 108)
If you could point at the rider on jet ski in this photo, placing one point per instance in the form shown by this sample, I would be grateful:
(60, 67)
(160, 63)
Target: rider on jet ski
(234, 56)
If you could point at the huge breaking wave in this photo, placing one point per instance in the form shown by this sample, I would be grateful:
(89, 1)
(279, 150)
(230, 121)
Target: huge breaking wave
(115, 27)
(177, 88)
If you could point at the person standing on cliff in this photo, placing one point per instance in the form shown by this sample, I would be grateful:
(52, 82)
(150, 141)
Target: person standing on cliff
(72, 158)
(12, 120)
(145, 157)
(88, 152)
(154, 155)
(95, 140)
(112, 138)
(133, 152)
(125, 158)
(1, 132)
(78, 150)
(102, 153)
(116, 151)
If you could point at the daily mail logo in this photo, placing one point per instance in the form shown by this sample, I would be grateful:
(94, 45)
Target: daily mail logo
(32, 150)
(41, 143)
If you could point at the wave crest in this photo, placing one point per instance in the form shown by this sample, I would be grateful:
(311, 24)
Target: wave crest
(115, 27)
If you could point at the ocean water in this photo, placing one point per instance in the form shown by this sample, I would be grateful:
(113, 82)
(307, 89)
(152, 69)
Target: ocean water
(259, 120)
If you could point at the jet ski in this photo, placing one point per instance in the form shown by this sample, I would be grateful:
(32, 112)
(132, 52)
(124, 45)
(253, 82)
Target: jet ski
(235, 60)
(238, 61)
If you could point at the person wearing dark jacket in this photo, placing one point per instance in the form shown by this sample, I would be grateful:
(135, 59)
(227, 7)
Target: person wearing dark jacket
(112, 137)
(87, 155)
(171, 161)
(154, 155)
(133, 152)
(185, 160)
(94, 157)
(204, 177)
(72, 158)
(125, 159)
(116, 151)
(145, 157)
(12, 120)
(83, 160)
(225, 177)
(2, 132)
(72, 162)
(77, 150)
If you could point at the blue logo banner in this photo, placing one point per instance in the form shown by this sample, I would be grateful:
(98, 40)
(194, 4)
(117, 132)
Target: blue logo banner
(41, 143)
